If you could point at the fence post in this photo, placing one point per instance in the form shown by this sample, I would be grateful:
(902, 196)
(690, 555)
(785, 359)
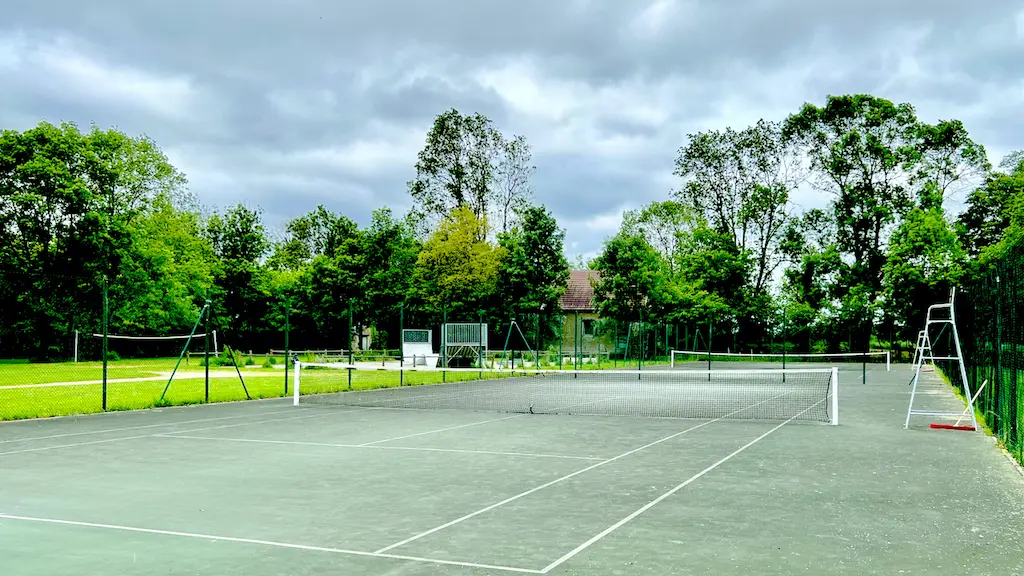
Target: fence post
(206, 353)
(351, 337)
(287, 345)
(106, 327)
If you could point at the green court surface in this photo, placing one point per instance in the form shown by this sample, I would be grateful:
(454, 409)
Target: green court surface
(263, 487)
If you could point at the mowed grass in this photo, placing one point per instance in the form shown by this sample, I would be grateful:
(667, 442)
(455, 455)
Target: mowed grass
(18, 401)
(61, 389)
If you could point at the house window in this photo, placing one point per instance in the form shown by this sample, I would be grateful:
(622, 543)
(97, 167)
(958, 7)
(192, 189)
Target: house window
(589, 326)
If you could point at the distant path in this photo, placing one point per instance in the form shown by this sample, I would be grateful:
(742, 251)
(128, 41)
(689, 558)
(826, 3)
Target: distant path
(156, 378)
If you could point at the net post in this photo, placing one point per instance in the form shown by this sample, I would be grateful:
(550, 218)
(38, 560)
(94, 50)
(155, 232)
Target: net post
(295, 384)
(206, 353)
(536, 355)
(76, 346)
(106, 329)
(215, 354)
(835, 396)
(480, 343)
(643, 342)
(709, 349)
(444, 343)
(864, 369)
(888, 361)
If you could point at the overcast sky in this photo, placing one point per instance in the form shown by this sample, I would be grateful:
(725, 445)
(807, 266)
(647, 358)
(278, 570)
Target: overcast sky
(288, 104)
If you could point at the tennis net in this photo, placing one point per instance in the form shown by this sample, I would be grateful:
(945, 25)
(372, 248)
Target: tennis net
(798, 394)
(686, 358)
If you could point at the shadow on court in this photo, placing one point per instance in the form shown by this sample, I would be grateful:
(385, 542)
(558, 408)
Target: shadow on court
(267, 488)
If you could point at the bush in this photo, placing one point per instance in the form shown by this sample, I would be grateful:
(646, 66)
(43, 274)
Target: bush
(113, 356)
(249, 361)
(230, 357)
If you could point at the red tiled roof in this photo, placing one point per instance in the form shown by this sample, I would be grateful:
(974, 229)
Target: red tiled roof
(579, 294)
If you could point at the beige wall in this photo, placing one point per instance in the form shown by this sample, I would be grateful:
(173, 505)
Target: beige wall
(591, 343)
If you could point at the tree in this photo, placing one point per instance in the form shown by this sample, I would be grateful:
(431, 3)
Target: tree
(455, 167)
(390, 255)
(924, 260)
(990, 206)
(457, 269)
(870, 154)
(68, 200)
(664, 224)
(512, 180)
(167, 275)
(634, 279)
(239, 242)
(467, 161)
(740, 183)
(533, 272)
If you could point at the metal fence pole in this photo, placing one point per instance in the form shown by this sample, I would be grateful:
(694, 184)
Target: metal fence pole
(106, 327)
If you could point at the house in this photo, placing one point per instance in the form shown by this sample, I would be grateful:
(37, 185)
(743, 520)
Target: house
(580, 316)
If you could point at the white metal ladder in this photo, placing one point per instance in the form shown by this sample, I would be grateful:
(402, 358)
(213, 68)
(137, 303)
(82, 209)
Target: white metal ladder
(936, 316)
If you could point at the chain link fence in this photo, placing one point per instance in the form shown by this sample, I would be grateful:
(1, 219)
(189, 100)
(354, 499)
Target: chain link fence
(990, 319)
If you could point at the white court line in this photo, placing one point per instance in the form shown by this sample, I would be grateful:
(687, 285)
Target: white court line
(122, 438)
(267, 543)
(143, 426)
(378, 447)
(442, 429)
(532, 490)
(568, 476)
(654, 502)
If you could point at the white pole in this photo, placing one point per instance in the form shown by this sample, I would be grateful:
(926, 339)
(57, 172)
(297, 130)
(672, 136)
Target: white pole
(835, 395)
(295, 384)
(215, 348)
(888, 361)
(76, 346)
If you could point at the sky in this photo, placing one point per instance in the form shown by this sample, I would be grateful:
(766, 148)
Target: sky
(284, 105)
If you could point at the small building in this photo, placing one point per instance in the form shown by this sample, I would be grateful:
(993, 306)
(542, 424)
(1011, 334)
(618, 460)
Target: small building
(581, 317)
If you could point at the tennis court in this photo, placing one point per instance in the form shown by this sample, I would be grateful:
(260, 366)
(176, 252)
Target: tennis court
(264, 487)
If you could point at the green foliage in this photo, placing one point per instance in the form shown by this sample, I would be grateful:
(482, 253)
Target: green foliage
(924, 261)
(457, 270)
(532, 271)
(466, 161)
(230, 357)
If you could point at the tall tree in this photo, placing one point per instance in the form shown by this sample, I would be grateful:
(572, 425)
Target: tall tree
(869, 153)
(239, 241)
(67, 202)
(390, 254)
(740, 182)
(924, 260)
(664, 225)
(467, 161)
(456, 166)
(533, 272)
(990, 206)
(513, 170)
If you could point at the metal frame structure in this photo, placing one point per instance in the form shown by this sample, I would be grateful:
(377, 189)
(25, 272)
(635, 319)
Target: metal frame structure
(463, 340)
(937, 316)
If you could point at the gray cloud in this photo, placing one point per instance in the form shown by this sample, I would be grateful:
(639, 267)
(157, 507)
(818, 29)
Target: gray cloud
(289, 104)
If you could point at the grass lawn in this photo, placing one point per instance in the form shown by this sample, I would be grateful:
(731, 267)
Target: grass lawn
(59, 389)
